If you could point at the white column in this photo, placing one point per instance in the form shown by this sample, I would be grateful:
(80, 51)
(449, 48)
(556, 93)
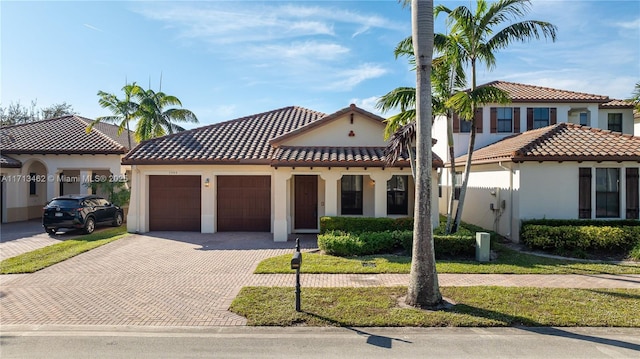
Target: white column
(281, 185)
(85, 181)
(380, 192)
(53, 186)
(133, 219)
(331, 192)
(207, 199)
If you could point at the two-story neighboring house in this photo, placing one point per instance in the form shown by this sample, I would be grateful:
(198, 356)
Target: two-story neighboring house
(548, 154)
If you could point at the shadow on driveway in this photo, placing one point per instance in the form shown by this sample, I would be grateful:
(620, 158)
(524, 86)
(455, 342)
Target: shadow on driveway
(236, 240)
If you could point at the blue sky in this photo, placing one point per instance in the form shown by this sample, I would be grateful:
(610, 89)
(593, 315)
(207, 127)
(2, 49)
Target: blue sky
(227, 59)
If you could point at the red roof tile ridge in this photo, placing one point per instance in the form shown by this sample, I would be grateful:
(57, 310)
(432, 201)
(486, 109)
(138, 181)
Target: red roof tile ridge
(38, 122)
(497, 82)
(235, 120)
(83, 121)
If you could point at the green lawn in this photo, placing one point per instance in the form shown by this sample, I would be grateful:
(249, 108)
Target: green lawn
(509, 262)
(44, 257)
(473, 306)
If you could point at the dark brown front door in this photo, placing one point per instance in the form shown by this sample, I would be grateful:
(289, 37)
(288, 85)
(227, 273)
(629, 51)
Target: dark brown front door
(306, 192)
(244, 203)
(174, 203)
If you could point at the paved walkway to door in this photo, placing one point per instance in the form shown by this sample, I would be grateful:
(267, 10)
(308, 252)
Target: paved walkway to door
(190, 279)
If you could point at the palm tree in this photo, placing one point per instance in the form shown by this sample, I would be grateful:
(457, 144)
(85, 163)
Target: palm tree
(478, 37)
(155, 120)
(123, 111)
(447, 74)
(635, 97)
(423, 290)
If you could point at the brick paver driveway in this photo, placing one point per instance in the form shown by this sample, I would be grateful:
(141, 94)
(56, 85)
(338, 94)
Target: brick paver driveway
(177, 279)
(190, 279)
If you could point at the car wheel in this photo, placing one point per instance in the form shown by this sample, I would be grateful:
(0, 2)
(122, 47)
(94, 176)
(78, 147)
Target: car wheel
(52, 231)
(117, 221)
(89, 225)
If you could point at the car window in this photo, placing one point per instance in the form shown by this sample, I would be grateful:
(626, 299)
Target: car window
(64, 203)
(91, 202)
(103, 202)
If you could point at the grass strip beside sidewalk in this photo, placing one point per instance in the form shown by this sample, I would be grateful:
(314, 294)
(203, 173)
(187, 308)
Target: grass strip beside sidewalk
(473, 307)
(47, 256)
(509, 262)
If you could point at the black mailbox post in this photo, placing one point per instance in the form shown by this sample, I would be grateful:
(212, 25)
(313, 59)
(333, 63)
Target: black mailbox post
(296, 263)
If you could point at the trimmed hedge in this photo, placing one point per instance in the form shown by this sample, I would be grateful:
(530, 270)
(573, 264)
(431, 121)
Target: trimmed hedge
(345, 244)
(580, 238)
(365, 224)
(581, 222)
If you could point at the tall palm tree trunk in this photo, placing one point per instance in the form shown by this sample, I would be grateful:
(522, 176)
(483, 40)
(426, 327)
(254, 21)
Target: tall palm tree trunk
(452, 161)
(467, 166)
(423, 290)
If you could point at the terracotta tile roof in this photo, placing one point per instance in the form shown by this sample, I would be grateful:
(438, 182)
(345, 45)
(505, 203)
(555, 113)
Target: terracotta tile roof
(560, 142)
(617, 104)
(112, 131)
(8, 162)
(244, 140)
(337, 157)
(529, 93)
(60, 135)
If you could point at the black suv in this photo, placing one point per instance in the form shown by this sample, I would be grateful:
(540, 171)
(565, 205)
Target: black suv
(80, 211)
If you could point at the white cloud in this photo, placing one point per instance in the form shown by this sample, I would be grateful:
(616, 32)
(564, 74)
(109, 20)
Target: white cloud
(629, 25)
(368, 104)
(300, 51)
(345, 80)
(92, 27)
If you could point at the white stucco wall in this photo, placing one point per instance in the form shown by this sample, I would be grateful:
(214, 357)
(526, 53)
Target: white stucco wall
(282, 192)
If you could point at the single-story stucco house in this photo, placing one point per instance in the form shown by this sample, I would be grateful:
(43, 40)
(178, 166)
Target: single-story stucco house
(48, 158)
(277, 172)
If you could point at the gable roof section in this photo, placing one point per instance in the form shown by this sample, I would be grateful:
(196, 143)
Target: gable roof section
(290, 156)
(614, 104)
(529, 93)
(244, 140)
(324, 120)
(112, 132)
(560, 142)
(8, 162)
(60, 135)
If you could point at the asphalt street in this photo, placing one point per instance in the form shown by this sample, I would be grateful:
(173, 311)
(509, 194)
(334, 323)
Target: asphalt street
(248, 342)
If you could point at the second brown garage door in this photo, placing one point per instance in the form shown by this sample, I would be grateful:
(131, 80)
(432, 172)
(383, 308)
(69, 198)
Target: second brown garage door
(174, 203)
(244, 203)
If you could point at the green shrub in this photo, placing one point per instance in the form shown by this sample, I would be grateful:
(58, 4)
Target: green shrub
(566, 239)
(635, 252)
(364, 224)
(581, 222)
(356, 244)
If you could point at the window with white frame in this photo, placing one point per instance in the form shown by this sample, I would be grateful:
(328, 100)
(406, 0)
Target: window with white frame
(351, 194)
(607, 192)
(397, 199)
(614, 122)
(584, 119)
(540, 117)
(504, 118)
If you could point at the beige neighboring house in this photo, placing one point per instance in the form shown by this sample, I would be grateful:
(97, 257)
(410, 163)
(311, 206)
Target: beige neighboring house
(277, 172)
(44, 159)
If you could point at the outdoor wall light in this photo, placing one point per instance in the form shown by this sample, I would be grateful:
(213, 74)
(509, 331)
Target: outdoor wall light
(207, 183)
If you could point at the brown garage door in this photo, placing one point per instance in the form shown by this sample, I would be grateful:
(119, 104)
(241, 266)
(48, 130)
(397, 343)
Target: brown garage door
(244, 203)
(174, 203)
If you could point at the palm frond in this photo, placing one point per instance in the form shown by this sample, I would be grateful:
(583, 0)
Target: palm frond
(399, 143)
